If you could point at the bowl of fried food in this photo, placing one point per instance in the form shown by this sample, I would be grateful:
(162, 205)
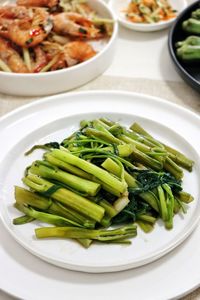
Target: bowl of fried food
(147, 15)
(48, 47)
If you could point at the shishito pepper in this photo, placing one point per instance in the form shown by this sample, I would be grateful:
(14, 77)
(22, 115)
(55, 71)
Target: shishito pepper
(189, 52)
(196, 14)
(189, 49)
(192, 26)
(190, 40)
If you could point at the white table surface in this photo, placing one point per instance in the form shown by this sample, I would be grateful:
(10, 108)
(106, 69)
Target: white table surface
(143, 55)
(139, 55)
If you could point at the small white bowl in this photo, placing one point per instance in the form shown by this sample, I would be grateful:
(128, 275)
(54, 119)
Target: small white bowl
(63, 80)
(119, 6)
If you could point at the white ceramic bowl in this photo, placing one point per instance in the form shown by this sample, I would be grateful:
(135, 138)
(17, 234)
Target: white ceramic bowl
(118, 7)
(63, 80)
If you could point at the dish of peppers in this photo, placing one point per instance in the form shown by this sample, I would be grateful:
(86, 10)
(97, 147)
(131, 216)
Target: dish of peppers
(184, 45)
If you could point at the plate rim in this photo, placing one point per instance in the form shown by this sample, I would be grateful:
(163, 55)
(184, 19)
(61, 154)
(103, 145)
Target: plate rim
(46, 99)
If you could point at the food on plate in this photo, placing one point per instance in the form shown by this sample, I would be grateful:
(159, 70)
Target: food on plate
(103, 175)
(40, 36)
(192, 25)
(189, 49)
(149, 11)
(196, 14)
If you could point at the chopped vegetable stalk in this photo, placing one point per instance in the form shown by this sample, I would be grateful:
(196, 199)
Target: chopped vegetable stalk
(123, 150)
(181, 205)
(86, 166)
(67, 167)
(106, 221)
(46, 218)
(147, 160)
(109, 209)
(137, 144)
(105, 136)
(170, 206)
(162, 204)
(121, 202)
(107, 122)
(184, 197)
(148, 196)
(99, 235)
(22, 220)
(70, 199)
(151, 199)
(174, 154)
(48, 171)
(145, 226)
(23, 196)
(85, 242)
(114, 168)
(108, 188)
(119, 241)
(180, 158)
(173, 168)
(57, 208)
(177, 206)
(26, 197)
(146, 218)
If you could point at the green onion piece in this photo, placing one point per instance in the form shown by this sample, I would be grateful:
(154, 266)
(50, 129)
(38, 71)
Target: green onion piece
(27, 58)
(4, 67)
(50, 64)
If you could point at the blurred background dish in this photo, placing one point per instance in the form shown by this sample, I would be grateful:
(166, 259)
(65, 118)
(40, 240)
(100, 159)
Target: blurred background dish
(188, 70)
(35, 84)
(120, 6)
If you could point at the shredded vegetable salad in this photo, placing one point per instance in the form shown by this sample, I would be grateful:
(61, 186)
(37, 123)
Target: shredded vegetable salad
(149, 11)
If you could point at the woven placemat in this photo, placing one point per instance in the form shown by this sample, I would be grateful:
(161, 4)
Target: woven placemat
(177, 92)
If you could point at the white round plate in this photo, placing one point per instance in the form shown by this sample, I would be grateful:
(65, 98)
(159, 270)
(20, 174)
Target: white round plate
(48, 119)
(119, 7)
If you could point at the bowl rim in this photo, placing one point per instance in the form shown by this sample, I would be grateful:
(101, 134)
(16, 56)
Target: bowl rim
(170, 44)
(81, 65)
(147, 26)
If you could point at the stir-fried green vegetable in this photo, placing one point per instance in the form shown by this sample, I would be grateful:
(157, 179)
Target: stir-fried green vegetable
(103, 174)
